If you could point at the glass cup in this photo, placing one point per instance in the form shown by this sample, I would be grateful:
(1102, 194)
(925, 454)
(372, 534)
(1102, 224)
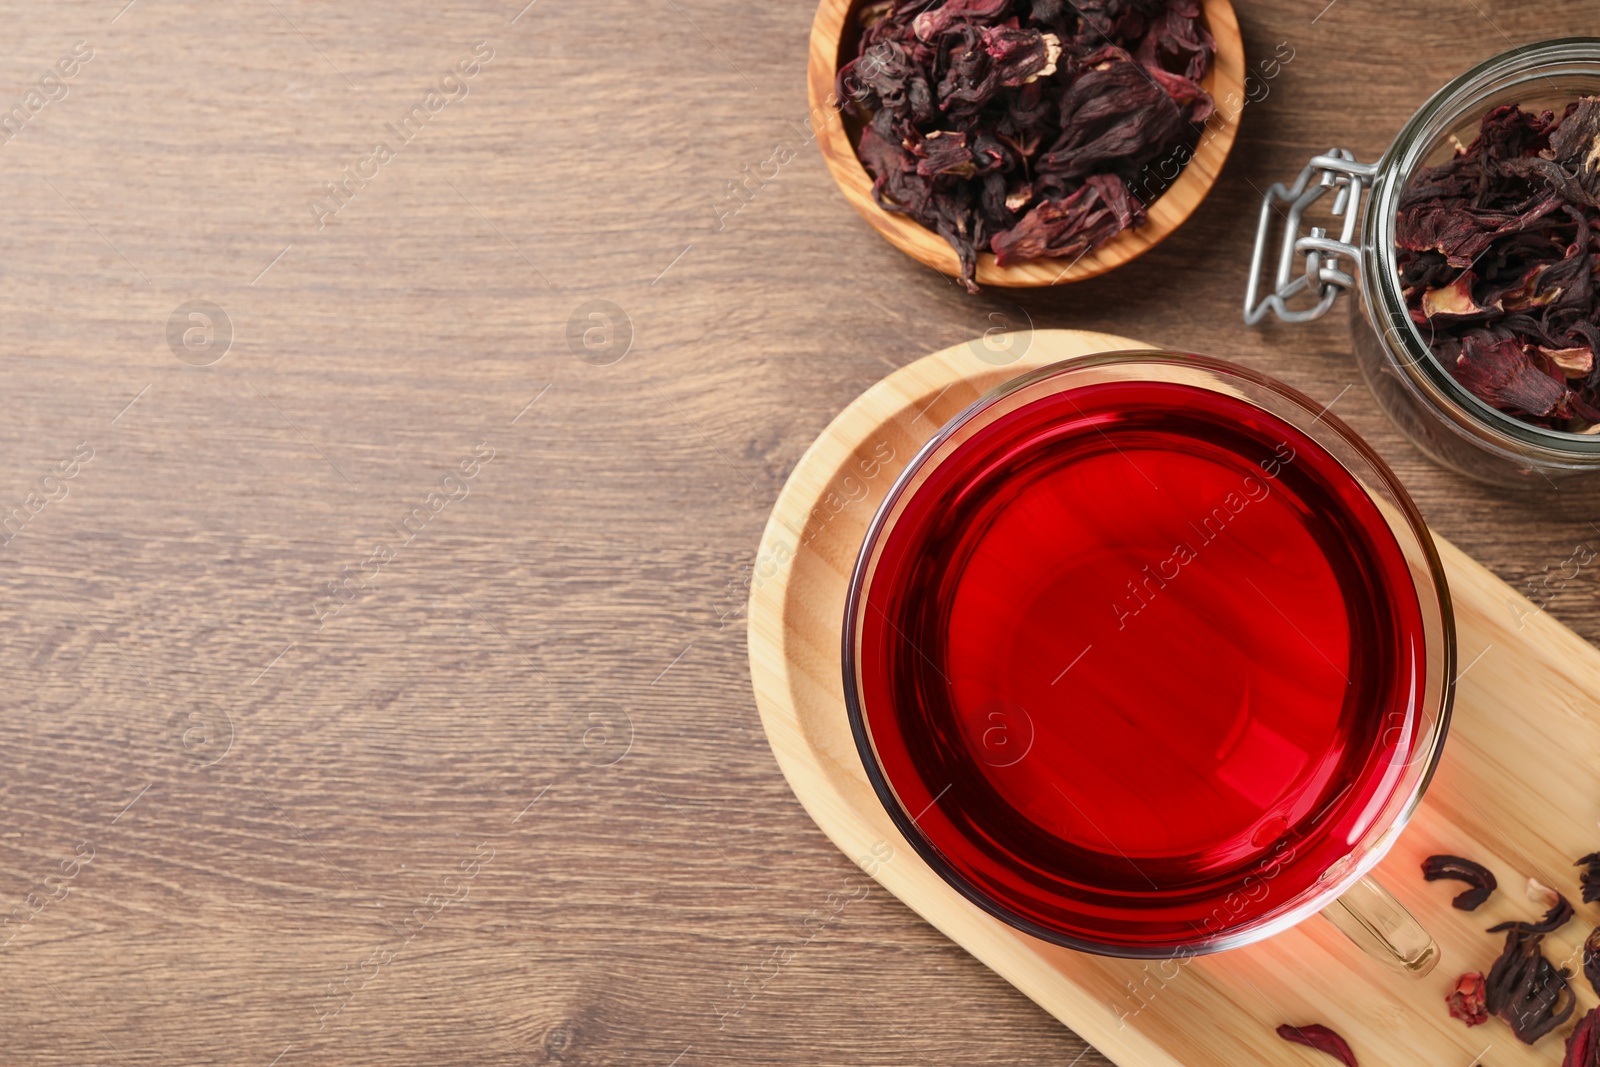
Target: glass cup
(1030, 878)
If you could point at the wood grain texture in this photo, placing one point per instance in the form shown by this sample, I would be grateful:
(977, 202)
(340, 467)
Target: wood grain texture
(600, 564)
(1224, 1009)
(1225, 82)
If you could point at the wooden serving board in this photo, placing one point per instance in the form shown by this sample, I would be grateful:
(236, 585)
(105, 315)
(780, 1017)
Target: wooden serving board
(1516, 790)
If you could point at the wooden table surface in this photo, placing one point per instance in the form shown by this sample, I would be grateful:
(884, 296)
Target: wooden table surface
(373, 681)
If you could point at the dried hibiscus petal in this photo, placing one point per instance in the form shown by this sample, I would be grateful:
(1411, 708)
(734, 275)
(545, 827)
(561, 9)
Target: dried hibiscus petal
(1501, 373)
(899, 187)
(1466, 1000)
(1528, 991)
(1559, 913)
(1589, 878)
(1591, 959)
(1583, 1047)
(1479, 877)
(1071, 226)
(887, 79)
(930, 24)
(1445, 228)
(944, 153)
(1177, 41)
(1021, 56)
(1320, 1038)
(1115, 118)
(1530, 292)
(1571, 165)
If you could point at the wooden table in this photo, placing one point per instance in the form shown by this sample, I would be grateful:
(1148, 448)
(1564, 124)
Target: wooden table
(374, 689)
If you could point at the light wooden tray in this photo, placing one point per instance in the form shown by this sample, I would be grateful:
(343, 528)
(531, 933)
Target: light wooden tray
(1517, 789)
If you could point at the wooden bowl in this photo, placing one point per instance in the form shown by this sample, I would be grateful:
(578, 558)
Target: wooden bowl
(1225, 83)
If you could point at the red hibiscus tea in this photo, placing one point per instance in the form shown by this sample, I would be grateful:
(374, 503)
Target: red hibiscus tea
(1141, 662)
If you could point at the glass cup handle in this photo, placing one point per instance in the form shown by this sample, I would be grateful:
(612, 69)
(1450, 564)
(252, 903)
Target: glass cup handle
(1374, 920)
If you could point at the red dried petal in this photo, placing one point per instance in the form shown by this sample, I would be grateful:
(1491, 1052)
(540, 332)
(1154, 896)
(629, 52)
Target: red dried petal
(1113, 116)
(1178, 40)
(1526, 990)
(1502, 375)
(1466, 1000)
(1591, 959)
(1571, 165)
(1559, 913)
(1098, 211)
(1320, 1038)
(943, 152)
(1583, 1047)
(1021, 56)
(1589, 877)
(1527, 295)
(1186, 93)
(931, 24)
(1456, 869)
(1447, 228)
(898, 186)
(1508, 132)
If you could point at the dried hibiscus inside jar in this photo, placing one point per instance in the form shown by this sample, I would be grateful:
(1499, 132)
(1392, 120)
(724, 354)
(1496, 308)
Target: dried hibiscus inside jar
(1497, 252)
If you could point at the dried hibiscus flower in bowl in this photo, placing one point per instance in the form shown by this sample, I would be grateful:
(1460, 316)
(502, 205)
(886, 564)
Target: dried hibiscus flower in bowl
(1026, 142)
(1472, 246)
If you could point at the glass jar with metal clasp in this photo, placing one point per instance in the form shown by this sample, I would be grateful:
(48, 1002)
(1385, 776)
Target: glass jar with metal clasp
(1314, 267)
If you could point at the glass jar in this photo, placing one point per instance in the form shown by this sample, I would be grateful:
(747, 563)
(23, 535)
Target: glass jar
(1423, 398)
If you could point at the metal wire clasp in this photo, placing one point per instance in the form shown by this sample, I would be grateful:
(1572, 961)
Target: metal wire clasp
(1326, 269)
